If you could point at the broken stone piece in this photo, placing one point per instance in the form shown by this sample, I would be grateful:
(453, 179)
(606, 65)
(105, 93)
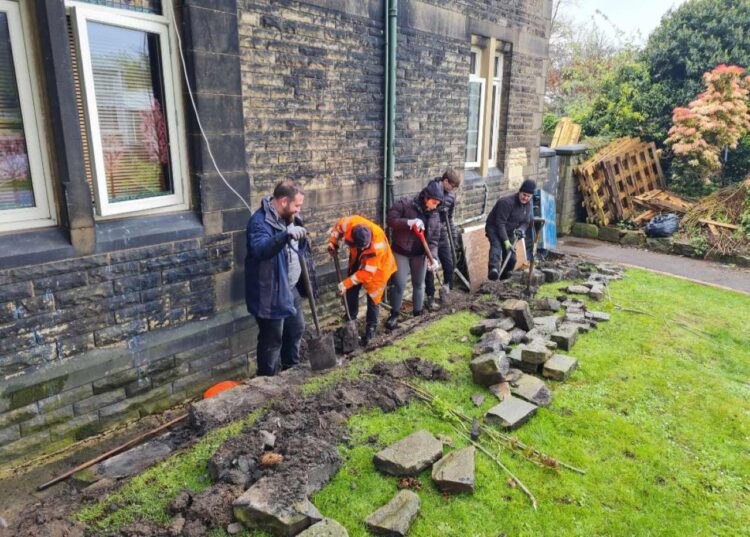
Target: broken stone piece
(477, 399)
(559, 367)
(395, 517)
(511, 413)
(492, 341)
(598, 316)
(578, 290)
(552, 275)
(410, 455)
(517, 335)
(268, 439)
(532, 389)
(520, 312)
(504, 323)
(489, 369)
(270, 507)
(454, 473)
(574, 317)
(597, 292)
(566, 336)
(535, 352)
(234, 528)
(501, 390)
(325, 528)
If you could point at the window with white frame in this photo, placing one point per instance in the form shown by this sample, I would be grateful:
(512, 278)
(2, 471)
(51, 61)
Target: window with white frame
(475, 127)
(25, 192)
(127, 91)
(497, 86)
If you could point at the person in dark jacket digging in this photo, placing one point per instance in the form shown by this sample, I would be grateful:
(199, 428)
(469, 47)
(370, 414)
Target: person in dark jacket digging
(450, 180)
(510, 216)
(407, 217)
(276, 245)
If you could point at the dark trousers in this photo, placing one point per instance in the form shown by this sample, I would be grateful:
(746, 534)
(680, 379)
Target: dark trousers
(498, 254)
(373, 310)
(445, 257)
(280, 338)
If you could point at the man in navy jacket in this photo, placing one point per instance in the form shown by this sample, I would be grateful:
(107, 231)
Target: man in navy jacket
(276, 245)
(510, 216)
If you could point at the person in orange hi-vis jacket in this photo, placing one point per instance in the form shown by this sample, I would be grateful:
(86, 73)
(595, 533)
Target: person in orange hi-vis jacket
(371, 264)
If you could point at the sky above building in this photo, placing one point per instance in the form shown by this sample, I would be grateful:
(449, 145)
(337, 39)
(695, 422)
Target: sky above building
(630, 17)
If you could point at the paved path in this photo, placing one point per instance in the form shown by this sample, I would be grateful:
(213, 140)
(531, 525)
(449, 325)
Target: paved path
(707, 272)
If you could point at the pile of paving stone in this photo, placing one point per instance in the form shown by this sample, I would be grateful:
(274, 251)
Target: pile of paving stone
(452, 473)
(516, 348)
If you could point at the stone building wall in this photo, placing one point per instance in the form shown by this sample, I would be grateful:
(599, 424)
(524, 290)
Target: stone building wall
(102, 325)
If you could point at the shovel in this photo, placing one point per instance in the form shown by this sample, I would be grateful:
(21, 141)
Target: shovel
(347, 334)
(445, 291)
(320, 348)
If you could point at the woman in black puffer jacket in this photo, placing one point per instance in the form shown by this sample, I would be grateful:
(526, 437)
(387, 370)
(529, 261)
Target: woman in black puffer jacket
(405, 218)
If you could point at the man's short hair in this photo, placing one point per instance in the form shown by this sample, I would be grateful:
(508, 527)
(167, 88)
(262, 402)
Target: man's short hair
(452, 177)
(287, 189)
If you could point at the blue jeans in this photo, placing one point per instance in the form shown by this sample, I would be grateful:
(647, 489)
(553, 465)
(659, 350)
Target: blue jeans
(280, 338)
(417, 267)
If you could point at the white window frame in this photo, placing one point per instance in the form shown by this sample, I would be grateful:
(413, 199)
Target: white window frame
(81, 14)
(497, 86)
(42, 214)
(476, 77)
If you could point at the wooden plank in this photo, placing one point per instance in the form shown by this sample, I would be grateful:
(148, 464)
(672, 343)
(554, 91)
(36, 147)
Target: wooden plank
(643, 217)
(718, 224)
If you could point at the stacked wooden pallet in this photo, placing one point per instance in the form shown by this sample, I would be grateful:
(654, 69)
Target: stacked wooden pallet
(614, 176)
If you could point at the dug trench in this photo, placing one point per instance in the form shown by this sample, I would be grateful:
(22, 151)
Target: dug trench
(290, 452)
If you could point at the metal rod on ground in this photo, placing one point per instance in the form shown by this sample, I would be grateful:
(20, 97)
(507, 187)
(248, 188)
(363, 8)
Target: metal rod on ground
(341, 279)
(112, 452)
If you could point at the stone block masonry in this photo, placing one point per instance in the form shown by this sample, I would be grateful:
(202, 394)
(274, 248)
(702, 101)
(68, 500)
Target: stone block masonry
(90, 342)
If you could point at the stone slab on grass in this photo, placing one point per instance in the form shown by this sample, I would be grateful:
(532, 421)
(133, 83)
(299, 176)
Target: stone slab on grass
(511, 413)
(517, 362)
(559, 367)
(489, 369)
(266, 506)
(532, 390)
(454, 473)
(520, 312)
(565, 336)
(395, 517)
(501, 390)
(325, 528)
(597, 292)
(578, 290)
(410, 455)
(487, 325)
(598, 316)
(547, 324)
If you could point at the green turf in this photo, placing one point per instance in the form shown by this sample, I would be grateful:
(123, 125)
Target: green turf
(658, 414)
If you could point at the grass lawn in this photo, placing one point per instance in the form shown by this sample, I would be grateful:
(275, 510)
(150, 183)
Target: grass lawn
(658, 414)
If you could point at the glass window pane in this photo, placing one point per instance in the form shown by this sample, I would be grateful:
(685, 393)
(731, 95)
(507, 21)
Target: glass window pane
(16, 191)
(472, 132)
(143, 6)
(473, 63)
(493, 121)
(129, 88)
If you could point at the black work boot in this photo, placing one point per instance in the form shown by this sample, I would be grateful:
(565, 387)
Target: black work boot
(392, 321)
(416, 313)
(430, 304)
(369, 334)
(493, 274)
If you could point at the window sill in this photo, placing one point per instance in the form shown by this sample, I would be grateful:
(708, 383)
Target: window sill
(33, 247)
(146, 231)
(48, 245)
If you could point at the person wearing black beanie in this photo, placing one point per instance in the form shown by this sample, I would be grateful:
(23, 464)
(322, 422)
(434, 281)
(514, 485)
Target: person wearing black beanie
(510, 216)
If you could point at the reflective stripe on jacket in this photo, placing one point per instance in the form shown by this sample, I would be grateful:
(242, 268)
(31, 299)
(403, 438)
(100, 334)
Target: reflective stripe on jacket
(372, 266)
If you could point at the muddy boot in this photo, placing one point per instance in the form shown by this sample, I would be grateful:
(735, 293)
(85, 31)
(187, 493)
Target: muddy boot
(430, 304)
(417, 313)
(369, 334)
(493, 274)
(391, 322)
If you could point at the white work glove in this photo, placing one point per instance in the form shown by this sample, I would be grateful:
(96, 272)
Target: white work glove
(342, 288)
(434, 266)
(415, 224)
(296, 232)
